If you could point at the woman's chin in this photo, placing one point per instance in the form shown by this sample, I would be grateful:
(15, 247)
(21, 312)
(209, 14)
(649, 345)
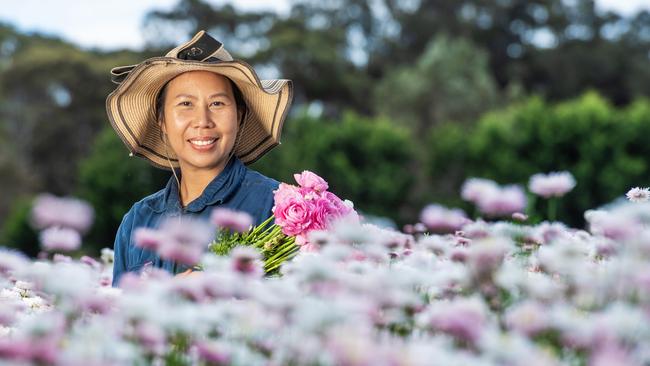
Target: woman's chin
(206, 163)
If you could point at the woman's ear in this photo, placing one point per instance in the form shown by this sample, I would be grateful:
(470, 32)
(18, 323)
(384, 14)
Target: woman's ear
(241, 114)
(162, 126)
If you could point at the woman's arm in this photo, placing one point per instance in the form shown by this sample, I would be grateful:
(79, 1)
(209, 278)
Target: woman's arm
(122, 239)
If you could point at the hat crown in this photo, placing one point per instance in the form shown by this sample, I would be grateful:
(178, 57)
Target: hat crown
(202, 47)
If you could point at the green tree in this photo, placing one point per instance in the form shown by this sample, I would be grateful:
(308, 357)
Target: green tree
(17, 232)
(112, 182)
(451, 80)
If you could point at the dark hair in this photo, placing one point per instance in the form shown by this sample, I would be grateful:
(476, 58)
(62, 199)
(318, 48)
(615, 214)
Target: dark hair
(239, 101)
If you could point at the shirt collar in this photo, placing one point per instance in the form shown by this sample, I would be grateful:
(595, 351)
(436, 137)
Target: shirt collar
(217, 191)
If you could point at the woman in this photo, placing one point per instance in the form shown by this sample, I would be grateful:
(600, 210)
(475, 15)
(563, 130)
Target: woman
(203, 115)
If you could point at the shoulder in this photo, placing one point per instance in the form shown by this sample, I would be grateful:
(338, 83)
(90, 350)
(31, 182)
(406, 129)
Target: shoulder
(257, 181)
(154, 201)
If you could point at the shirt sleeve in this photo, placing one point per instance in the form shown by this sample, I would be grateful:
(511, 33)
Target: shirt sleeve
(120, 247)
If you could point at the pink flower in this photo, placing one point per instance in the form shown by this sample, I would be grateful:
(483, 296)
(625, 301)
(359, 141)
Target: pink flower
(554, 184)
(327, 207)
(238, 221)
(614, 226)
(11, 260)
(310, 248)
(440, 219)
(637, 194)
(60, 239)
(214, 353)
(310, 180)
(92, 262)
(14, 349)
(49, 210)
(60, 258)
(484, 256)
(518, 216)
(503, 202)
(462, 319)
(246, 260)
(300, 210)
(292, 212)
(610, 355)
(151, 337)
(475, 188)
(184, 240)
(528, 318)
(95, 303)
(147, 238)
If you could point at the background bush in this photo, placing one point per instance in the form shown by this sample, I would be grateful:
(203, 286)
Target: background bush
(604, 147)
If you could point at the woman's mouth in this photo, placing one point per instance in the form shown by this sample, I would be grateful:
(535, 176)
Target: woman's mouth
(203, 143)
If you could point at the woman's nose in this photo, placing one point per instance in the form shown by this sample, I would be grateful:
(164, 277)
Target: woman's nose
(204, 118)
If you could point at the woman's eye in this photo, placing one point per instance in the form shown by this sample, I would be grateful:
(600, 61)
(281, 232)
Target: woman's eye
(185, 103)
(217, 103)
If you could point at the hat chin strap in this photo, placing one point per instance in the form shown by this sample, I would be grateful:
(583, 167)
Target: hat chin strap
(239, 131)
(178, 182)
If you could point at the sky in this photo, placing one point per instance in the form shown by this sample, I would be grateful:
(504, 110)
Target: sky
(113, 24)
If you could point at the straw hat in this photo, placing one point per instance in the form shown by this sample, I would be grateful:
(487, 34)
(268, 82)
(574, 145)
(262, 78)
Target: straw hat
(131, 106)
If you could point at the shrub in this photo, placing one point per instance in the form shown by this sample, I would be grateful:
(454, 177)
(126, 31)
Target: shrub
(603, 147)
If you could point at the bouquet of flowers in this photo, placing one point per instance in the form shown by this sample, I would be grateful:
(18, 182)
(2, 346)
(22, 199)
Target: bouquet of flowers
(297, 211)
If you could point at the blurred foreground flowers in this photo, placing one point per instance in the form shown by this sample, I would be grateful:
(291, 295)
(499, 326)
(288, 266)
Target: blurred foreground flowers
(474, 293)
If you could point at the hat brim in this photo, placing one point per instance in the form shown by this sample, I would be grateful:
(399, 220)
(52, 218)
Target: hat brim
(131, 107)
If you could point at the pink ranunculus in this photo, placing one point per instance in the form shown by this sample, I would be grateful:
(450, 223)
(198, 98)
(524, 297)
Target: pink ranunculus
(292, 212)
(310, 180)
(326, 209)
(342, 207)
(300, 210)
(285, 192)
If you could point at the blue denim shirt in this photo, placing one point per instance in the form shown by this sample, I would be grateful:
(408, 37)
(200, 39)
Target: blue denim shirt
(236, 187)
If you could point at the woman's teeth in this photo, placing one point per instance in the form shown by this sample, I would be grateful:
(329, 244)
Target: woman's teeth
(202, 142)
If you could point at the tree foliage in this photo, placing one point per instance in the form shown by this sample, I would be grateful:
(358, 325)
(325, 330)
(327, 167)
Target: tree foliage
(602, 146)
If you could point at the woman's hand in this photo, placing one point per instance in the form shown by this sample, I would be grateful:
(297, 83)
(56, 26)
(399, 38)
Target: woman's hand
(189, 272)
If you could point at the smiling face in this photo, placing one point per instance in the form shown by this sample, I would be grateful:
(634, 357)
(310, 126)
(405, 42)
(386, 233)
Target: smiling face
(200, 118)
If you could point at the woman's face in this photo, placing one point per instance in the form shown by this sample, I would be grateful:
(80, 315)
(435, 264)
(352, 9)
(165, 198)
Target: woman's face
(200, 119)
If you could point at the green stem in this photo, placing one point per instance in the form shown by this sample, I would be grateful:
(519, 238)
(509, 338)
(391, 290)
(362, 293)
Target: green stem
(260, 227)
(271, 265)
(259, 242)
(552, 209)
(283, 249)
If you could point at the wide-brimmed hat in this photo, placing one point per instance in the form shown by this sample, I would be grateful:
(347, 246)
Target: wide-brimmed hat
(131, 106)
